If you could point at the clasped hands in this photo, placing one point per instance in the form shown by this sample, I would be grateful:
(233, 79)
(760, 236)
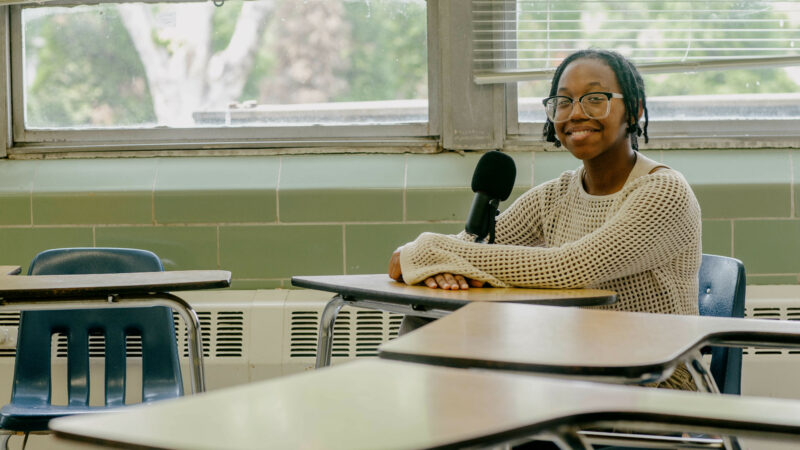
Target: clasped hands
(442, 280)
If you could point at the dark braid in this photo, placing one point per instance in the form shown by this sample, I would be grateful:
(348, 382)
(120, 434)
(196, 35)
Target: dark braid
(629, 80)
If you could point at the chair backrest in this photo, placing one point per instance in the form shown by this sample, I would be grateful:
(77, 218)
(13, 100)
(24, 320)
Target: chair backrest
(722, 293)
(88, 260)
(161, 375)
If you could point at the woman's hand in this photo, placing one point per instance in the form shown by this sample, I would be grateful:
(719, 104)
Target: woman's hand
(395, 272)
(442, 280)
(452, 282)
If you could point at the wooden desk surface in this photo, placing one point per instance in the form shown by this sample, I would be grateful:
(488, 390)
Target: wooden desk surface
(574, 341)
(381, 287)
(372, 404)
(10, 270)
(25, 288)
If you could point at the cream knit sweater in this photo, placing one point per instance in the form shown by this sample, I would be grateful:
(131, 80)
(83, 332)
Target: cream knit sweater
(643, 242)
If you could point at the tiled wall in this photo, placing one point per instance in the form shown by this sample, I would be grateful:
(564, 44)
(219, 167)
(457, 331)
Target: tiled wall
(268, 218)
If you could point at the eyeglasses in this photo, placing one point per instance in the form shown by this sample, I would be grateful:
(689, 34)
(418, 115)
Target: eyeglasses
(596, 105)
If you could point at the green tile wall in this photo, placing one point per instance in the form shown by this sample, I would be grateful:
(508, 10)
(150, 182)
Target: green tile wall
(333, 188)
(105, 191)
(718, 237)
(268, 218)
(179, 247)
(16, 185)
(737, 183)
(768, 247)
(280, 251)
(19, 245)
(200, 190)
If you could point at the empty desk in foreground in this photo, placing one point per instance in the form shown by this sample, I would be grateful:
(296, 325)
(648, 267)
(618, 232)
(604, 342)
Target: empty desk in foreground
(378, 291)
(128, 289)
(615, 346)
(371, 404)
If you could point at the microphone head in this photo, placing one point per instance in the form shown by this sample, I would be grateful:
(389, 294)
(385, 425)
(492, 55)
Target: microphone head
(494, 175)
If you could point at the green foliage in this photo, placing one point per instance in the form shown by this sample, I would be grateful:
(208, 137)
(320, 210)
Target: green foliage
(388, 57)
(223, 23)
(88, 72)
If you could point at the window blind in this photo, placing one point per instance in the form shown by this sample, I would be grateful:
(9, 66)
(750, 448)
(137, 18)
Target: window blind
(516, 40)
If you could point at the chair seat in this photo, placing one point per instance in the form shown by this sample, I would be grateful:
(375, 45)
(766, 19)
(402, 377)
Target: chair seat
(35, 417)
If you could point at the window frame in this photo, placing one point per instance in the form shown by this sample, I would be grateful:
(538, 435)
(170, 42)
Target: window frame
(22, 143)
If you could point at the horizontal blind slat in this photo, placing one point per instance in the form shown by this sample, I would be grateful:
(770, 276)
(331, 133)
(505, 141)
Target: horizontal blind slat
(510, 35)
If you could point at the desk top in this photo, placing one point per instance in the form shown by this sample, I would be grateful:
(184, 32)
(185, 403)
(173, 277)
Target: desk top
(580, 342)
(25, 288)
(10, 270)
(371, 404)
(381, 287)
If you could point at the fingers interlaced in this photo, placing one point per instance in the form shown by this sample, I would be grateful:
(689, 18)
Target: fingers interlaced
(450, 281)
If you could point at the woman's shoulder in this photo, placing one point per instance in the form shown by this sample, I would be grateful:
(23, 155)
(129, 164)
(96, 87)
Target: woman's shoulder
(648, 172)
(665, 188)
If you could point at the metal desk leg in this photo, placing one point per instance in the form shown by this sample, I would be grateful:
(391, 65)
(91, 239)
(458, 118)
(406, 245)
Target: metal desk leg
(194, 340)
(567, 438)
(700, 374)
(326, 322)
(705, 383)
(189, 316)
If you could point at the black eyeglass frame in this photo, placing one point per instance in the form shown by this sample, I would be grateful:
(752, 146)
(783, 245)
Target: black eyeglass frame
(609, 96)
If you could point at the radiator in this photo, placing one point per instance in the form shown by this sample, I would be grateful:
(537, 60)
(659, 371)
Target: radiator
(246, 335)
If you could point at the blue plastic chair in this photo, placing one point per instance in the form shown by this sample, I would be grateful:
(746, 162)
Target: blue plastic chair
(722, 292)
(30, 408)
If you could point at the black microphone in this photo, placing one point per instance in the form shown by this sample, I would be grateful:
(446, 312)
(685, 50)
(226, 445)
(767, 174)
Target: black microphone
(492, 183)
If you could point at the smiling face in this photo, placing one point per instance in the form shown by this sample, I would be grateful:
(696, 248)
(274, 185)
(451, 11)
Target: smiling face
(584, 137)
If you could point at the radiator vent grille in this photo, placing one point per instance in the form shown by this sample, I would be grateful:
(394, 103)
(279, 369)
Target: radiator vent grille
(222, 333)
(781, 312)
(9, 319)
(357, 332)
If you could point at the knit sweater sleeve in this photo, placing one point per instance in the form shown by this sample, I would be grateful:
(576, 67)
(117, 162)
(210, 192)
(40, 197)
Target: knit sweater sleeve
(521, 223)
(657, 219)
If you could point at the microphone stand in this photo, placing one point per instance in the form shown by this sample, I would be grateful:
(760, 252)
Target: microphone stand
(492, 211)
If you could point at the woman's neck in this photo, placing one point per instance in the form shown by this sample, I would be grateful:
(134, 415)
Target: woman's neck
(604, 176)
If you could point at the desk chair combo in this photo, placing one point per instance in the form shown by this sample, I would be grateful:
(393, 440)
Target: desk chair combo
(594, 345)
(30, 409)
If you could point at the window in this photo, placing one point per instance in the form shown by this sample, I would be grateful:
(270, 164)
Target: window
(715, 70)
(245, 73)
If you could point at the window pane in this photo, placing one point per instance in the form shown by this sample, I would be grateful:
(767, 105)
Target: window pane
(671, 31)
(255, 63)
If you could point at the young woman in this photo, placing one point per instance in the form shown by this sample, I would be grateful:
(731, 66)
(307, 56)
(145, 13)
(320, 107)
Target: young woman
(621, 222)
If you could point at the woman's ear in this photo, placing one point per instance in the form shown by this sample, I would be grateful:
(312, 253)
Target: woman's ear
(639, 112)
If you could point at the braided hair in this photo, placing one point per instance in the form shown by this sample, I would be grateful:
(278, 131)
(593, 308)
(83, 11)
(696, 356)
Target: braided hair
(629, 80)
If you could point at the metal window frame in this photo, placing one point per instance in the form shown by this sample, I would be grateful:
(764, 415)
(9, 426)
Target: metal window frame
(24, 143)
